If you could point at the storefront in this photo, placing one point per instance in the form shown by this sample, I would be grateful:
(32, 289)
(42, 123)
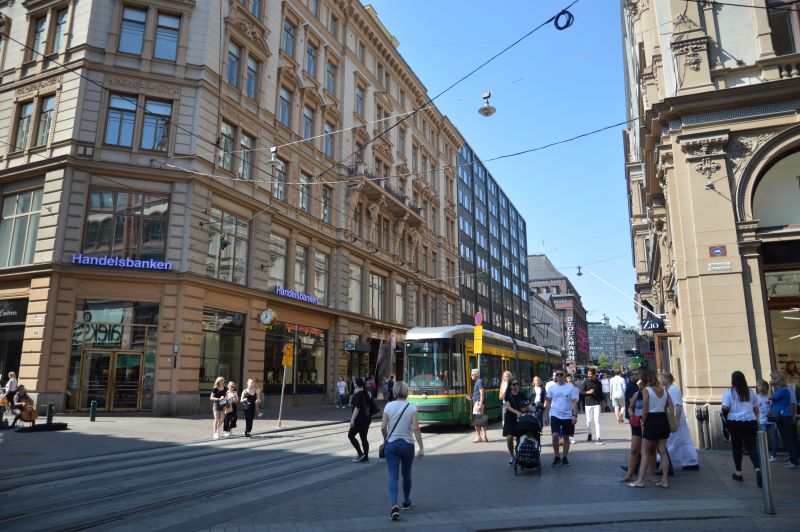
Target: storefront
(310, 348)
(222, 348)
(12, 330)
(113, 355)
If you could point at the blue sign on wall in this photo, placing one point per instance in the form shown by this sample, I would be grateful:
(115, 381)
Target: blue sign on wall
(121, 262)
(299, 296)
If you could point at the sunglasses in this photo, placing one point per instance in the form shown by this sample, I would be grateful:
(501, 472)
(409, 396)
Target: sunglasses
(559, 374)
(514, 384)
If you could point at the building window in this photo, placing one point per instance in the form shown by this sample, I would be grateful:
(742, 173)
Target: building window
(359, 100)
(60, 30)
(362, 52)
(308, 122)
(234, 56)
(167, 30)
(784, 20)
(385, 234)
(326, 204)
(277, 261)
(126, 224)
(354, 289)
(280, 184)
(399, 303)
(330, 78)
(226, 135)
(314, 7)
(311, 60)
(327, 141)
(304, 193)
(300, 268)
(255, 8)
(359, 153)
(39, 34)
(377, 296)
(358, 220)
(288, 38)
(132, 33)
(402, 100)
(284, 107)
(251, 82)
(23, 126)
(321, 261)
(155, 129)
(46, 112)
(227, 247)
(401, 141)
(246, 146)
(334, 26)
(19, 224)
(121, 120)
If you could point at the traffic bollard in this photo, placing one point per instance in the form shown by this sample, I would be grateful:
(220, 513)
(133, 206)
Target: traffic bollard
(51, 407)
(92, 410)
(766, 478)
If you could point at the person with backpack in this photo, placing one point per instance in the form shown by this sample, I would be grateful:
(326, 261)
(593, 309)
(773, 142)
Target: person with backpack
(360, 420)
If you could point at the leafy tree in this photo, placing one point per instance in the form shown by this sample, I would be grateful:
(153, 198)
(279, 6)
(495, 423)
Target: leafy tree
(602, 361)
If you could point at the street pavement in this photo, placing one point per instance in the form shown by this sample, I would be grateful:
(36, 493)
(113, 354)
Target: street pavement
(457, 486)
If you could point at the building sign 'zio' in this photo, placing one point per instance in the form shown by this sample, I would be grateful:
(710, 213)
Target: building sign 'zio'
(299, 296)
(571, 337)
(121, 262)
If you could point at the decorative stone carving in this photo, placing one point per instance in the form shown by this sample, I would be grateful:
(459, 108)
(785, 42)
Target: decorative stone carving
(399, 229)
(231, 113)
(692, 50)
(252, 32)
(351, 201)
(743, 146)
(374, 210)
(150, 85)
(39, 85)
(664, 162)
(701, 147)
(707, 167)
(415, 238)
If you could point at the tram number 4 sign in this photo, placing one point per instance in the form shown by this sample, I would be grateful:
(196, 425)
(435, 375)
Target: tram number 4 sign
(653, 324)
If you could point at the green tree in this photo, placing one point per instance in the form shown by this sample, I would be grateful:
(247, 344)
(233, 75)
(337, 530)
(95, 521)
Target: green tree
(602, 361)
(617, 366)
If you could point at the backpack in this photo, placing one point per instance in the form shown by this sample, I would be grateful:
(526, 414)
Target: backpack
(370, 405)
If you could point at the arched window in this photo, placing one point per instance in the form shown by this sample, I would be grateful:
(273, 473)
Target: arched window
(777, 195)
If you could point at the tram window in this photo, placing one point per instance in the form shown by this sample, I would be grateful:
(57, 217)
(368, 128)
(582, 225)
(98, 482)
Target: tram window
(457, 372)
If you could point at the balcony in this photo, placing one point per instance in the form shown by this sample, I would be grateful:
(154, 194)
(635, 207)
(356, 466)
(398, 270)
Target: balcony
(376, 188)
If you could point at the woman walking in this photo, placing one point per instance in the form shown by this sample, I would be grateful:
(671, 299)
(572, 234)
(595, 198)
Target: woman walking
(741, 411)
(764, 402)
(360, 420)
(635, 409)
(230, 410)
(502, 394)
(680, 445)
(398, 424)
(250, 403)
(655, 430)
(786, 409)
(515, 404)
(217, 393)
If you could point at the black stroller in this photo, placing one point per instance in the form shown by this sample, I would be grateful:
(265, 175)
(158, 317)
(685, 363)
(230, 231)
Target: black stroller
(529, 445)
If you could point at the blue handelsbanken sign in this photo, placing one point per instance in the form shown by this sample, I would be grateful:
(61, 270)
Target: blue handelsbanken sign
(121, 262)
(299, 296)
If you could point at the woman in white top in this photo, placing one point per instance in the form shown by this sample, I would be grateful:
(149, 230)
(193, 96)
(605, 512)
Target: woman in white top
(655, 430)
(740, 410)
(680, 445)
(507, 376)
(11, 390)
(399, 426)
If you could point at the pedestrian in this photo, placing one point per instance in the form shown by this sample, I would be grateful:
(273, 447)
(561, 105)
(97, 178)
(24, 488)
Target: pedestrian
(538, 397)
(551, 382)
(360, 420)
(10, 390)
(740, 408)
(635, 407)
(23, 405)
(372, 385)
(617, 391)
(784, 404)
(655, 430)
(399, 426)
(792, 376)
(679, 445)
(250, 402)
(341, 389)
(606, 391)
(592, 393)
(217, 393)
(231, 415)
(478, 396)
(391, 388)
(385, 388)
(764, 422)
(578, 381)
(561, 409)
(516, 403)
(504, 380)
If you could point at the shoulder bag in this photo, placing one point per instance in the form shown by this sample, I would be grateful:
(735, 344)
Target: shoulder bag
(670, 410)
(382, 448)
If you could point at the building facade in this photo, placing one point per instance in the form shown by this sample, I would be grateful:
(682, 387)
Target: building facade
(492, 240)
(546, 281)
(546, 323)
(602, 340)
(619, 344)
(712, 159)
(149, 242)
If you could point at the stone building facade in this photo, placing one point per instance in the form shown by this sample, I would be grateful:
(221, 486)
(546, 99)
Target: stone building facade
(149, 241)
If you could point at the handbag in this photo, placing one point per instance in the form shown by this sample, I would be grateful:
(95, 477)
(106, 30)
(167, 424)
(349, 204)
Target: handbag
(228, 408)
(223, 402)
(382, 448)
(670, 410)
(480, 420)
(636, 421)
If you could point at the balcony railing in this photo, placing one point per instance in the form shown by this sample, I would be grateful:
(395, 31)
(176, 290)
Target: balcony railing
(401, 203)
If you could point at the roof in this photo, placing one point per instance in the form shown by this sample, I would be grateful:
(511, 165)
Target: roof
(540, 267)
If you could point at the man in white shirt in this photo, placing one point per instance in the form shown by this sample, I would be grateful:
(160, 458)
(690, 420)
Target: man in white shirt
(549, 383)
(561, 409)
(617, 385)
(341, 388)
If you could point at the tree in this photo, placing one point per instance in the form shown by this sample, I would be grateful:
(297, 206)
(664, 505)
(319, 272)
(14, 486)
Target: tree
(602, 361)
(617, 366)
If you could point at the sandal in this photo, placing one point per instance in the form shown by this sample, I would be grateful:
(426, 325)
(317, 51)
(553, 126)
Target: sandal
(634, 485)
(661, 484)
(625, 479)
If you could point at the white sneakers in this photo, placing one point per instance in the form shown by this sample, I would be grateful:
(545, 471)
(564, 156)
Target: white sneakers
(216, 435)
(226, 434)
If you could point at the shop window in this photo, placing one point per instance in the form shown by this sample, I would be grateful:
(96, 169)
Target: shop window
(307, 374)
(19, 224)
(784, 21)
(354, 288)
(227, 247)
(321, 262)
(277, 261)
(167, 30)
(222, 348)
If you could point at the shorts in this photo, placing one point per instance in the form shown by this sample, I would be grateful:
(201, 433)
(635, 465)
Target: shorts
(636, 431)
(476, 410)
(556, 425)
(618, 402)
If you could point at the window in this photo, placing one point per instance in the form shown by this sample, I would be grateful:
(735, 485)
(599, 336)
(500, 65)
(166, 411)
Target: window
(334, 26)
(155, 129)
(358, 219)
(60, 30)
(354, 289)
(19, 223)
(359, 153)
(308, 122)
(377, 296)
(246, 146)
(251, 82)
(380, 73)
(39, 35)
(23, 126)
(121, 120)
(288, 38)
(300, 269)
(227, 247)
(385, 234)
(399, 303)
(126, 224)
(402, 100)
(359, 100)
(311, 60)
(784, 20)
(167, 29)
(314, 7)
(362, 52)
(255, 8)
(279, 187)
(277, 261)
(327, 144)
(226, 146)
(46, 111)
(321, 261)
(284, 107)
(330, 78)
(414, 157)
(304, 193)
(132, 32)
(326, 205)
(401, 141)
(234, 56)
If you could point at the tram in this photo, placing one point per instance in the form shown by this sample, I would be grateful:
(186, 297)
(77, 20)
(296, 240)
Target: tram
(438, 362)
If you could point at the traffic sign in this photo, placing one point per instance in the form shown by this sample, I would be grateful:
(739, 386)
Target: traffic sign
(478, 319)
(477, 339)
(288, 354)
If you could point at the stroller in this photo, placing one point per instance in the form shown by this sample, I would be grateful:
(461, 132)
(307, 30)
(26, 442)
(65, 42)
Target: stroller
(529, 446)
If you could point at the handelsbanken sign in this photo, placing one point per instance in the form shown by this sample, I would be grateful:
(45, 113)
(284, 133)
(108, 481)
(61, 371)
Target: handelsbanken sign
(121, 262)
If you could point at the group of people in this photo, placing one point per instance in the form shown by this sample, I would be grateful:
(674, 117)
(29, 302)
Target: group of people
(225, 403)
(16, 401)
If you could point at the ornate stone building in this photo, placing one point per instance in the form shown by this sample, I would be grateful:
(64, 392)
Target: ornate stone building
(150, 242)
(712, 165)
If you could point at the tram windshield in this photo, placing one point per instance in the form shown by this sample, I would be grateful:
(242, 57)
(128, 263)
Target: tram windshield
(428, 364)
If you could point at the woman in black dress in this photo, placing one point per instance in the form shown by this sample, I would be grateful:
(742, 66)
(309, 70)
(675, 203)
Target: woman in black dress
(249, 403)
(516, 403)
(655, 429)
(216, 394)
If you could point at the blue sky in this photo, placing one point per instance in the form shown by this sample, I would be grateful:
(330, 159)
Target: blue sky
(551, 86)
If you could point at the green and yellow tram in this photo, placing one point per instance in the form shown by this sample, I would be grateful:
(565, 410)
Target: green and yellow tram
(438, 362)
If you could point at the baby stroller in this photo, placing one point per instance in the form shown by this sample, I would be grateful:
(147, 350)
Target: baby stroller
(529, 432)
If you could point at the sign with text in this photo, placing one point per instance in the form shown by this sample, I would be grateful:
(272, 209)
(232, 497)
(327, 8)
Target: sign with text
(477, 340)
(121, 262)
(653, 324)
(288, 355)
(297, 296)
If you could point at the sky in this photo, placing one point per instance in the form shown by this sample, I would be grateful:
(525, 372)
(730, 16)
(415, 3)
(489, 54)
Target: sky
(551, 86)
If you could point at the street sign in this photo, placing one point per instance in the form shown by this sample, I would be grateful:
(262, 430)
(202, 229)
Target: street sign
(478, 319)
(717, 251)
(653, 324)
(288, 354)
(350, 346)
(477, 339)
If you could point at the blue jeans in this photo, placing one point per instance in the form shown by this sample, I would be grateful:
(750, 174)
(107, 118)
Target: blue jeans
(340, 400)
(772, 436)
(399, 453)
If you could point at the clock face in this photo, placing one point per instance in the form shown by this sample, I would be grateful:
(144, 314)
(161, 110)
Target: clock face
(267, 317)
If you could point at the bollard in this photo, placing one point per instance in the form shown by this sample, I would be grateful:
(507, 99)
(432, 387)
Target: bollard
(51, 407)
(92, 410)
(766, 478)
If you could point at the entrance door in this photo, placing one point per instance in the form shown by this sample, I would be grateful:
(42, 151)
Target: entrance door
(112, 379)
(95, 379)
(127, 378)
